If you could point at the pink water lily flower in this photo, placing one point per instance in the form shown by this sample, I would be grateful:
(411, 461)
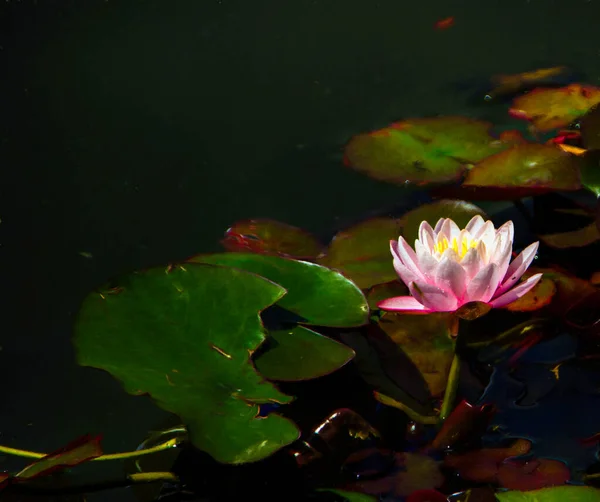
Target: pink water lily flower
(450, 267)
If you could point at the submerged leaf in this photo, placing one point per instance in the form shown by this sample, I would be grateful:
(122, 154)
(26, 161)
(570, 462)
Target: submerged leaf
(184, 335)
(422, 151)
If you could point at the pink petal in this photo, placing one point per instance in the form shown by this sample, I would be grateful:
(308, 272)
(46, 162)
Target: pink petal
(408, 257)
(404, 273)
(451, 277)
(475, 224)
(426, 235)
(432, 297)
(438, 226)
(517, 268)
(400, 303)
(517, 292)
(426, 262)
(472, 263)
(483, 285)
(450, 230)
(508, 229)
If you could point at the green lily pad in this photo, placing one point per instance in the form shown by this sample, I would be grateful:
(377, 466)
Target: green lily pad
(319, 295)
(548, 108)
(362, 252)
(553, 494)
(301, 354)
(423, 151)
(350, 496)
(530, 168)
(574, 239)
(273, 238)
(184, 335)
(458, 210)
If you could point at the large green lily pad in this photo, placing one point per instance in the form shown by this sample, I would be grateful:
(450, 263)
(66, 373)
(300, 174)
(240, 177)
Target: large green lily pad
(299, 353)
(422, 151)
(553, 494)
(362, 252)
(184, 335)
(458, 210)
(531, 168)
(548, 108)
(273, 238)
(318, 295)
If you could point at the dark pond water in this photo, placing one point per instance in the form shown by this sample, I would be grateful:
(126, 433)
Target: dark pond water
(135, 132)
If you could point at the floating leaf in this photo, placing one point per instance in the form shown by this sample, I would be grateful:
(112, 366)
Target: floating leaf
(362, 252)
(549, 109)
(422, 151)
(459, 211)
(553, 494)
(526, 170)
(273, 238)
(574, 239)
(570, 290)
(507, 85)
(299, 353)
(427, 341)
(536, 298)
(473, 310)
(532, 474)
(184, 336)
(318, 295)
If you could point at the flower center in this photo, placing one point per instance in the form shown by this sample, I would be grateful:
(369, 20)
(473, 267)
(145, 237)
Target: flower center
(461, 247)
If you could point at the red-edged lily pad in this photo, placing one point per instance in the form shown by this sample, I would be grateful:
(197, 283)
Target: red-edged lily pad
(570, 290)
(273, 238)
(526, 169)
(460, 426)
(422, 151)
(536, 298)
(549, 109)
(362, 252)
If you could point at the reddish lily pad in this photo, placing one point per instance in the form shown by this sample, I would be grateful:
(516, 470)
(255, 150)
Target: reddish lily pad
(412, 472)
(462, 424)
(271, 237)
(532, 474)
(574, 239)
(427, 342)
(549, 109)
(362, 252)
(538, 297)
(529, 168)
(570, 290)
(422, 151)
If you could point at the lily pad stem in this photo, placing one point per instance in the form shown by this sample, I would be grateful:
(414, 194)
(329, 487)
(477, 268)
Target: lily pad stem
(451, 387)
(171, 443)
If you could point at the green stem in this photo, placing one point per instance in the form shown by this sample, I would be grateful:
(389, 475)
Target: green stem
(451, 388)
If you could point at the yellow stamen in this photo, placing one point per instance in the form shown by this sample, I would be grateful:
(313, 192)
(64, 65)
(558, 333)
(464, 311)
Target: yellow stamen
(460, 249)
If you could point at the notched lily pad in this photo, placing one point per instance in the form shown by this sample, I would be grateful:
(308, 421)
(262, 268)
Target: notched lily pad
(273, 238)
(423, 151)
(549, 109)
(301, 354)
(184, 335)
(362, 252)
(527, 170)
(318, 295)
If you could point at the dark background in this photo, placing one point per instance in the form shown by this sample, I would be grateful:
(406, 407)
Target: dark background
(139, 130)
